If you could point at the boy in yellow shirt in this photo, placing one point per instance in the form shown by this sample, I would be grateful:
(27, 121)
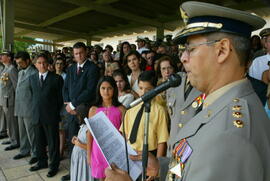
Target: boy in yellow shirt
(158, 130)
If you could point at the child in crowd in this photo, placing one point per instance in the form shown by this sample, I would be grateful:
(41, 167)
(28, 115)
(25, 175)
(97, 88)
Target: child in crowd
(106, 101)
(79, 169)
(134, 120)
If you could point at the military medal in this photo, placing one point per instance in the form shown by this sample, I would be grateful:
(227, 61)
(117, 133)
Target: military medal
(194, 104)
(181, 153)
(198, 101)
(4, 78)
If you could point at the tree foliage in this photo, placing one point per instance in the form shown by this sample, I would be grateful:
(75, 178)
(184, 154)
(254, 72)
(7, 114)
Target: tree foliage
(20, 45)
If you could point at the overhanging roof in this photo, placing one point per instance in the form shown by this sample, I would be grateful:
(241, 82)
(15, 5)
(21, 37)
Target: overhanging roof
(63, 20)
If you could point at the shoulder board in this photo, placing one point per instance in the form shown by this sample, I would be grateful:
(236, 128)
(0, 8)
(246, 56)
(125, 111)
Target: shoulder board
(238, 117)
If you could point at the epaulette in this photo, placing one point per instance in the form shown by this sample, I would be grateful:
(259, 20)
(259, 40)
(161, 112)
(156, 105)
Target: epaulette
(238, 118)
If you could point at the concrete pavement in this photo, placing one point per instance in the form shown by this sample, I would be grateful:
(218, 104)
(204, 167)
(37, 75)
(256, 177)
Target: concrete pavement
(18, 170)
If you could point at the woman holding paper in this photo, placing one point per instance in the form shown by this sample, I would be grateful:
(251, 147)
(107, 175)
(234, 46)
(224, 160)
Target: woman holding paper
(106, 101)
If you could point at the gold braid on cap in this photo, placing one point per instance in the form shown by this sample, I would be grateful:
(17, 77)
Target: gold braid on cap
(205, 25)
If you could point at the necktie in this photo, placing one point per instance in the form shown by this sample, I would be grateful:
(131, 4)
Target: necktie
(79, 69)
(199, 109)
(22, 75)
(41, 80)
(134, 131)
(187, 90)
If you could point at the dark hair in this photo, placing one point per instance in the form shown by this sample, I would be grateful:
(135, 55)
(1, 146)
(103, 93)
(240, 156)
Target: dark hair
(94, 52)
(60, 55)
(82, 112)
(64, 62)
(23, 55)
(112, 82)
(48, 55)
(79, 45)
(163, 59)
(138, 55)
(110, 47)
(122, 74)
(148, 76)
(41, 55)
(145, 52)
(241, 45)
(121, 58)
(255, 40)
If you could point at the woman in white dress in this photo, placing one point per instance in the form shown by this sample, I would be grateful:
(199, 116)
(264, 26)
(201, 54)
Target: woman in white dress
(125, 95)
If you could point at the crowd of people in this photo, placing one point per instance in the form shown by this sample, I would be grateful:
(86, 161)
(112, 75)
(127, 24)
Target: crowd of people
(44, 98)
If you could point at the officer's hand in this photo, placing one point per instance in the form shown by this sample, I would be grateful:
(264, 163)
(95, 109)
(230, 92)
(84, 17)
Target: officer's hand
(152, 165)
(116, 174)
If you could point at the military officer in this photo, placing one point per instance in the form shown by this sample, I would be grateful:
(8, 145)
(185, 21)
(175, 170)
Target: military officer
(229, 138)
(182, 106)
(8, 83)
(3, 126)
(183, 103)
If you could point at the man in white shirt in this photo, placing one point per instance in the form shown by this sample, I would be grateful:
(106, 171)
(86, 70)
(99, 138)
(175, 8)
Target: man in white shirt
(260, 64)
(141, 45)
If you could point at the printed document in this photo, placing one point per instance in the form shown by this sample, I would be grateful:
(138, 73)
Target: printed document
(112, 144)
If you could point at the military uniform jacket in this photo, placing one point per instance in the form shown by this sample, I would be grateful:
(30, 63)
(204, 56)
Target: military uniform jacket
(1, 68)
(23, 96)
(180, 110)
(229, 139)
(8, 83)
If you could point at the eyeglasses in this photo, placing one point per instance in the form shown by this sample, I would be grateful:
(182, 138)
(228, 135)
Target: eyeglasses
(188, 48)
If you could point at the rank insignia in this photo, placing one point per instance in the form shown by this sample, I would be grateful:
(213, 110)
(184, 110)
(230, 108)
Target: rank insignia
(237, 114)
(238, 123)
(237, 108)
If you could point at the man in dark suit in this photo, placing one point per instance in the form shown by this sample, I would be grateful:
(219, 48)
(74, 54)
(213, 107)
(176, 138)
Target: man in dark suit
(80, 87)
(47, 101)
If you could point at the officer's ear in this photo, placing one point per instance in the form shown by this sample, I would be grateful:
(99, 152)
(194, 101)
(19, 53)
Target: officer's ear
(223, 48)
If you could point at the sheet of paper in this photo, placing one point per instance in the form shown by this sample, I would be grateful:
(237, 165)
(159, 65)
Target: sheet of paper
(112, 144)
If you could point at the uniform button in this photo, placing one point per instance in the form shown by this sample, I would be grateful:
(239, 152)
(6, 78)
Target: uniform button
(180, 125)
(183, 112)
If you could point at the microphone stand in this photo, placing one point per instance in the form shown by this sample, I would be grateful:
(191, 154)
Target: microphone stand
(145, 138)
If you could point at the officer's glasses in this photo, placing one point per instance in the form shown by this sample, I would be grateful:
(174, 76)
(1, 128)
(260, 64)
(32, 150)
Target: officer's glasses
(188, 48)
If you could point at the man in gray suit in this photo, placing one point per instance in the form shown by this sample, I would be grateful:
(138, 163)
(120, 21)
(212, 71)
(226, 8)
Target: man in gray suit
(23, 101)
(8, 85)
(229, 138)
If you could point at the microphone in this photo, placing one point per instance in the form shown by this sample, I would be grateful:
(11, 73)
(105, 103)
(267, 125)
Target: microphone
(173, 81)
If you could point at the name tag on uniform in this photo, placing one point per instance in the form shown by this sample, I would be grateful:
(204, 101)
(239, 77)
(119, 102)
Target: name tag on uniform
(177, 170)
